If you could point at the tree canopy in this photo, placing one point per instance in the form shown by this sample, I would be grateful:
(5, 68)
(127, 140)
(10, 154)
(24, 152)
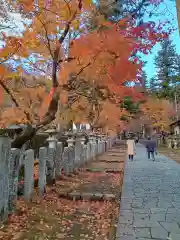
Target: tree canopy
(87, 68)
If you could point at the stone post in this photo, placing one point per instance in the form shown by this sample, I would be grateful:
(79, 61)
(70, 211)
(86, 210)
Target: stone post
(175, 143)
(13, 178)
(22, 152)
(98, 144)
(5, 147)
(42, 170)
(29, 174)
(94, 144)
(78, 149)
(83, 151)
(169, 142)
(58, 159)
(73, 157)
(65, 157)
(50, 177)
(103, 143)
(71, 154)
(88, 152)
(91, 146)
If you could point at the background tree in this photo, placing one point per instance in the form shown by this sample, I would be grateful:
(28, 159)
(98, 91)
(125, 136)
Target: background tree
(90, 53)
(166, 63)
(158, 113)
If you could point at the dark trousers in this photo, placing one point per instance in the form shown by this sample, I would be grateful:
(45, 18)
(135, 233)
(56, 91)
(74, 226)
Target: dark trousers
(151, 154)
(131, 157)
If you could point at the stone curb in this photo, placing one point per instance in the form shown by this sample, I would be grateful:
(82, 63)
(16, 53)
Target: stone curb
(113, 161)
(104, 170)
(87, 196)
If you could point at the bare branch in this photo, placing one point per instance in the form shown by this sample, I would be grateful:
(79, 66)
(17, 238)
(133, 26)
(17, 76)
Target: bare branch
(8, 91)
(48, 40)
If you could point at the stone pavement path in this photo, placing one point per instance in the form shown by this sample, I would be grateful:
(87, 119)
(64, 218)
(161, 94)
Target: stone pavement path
(150, 202)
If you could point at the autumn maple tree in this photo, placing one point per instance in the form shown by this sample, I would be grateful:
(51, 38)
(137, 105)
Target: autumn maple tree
(158, 113)
(76, 59)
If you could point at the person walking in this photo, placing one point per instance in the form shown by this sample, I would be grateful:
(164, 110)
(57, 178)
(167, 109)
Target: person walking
(131, 148)
(151, 148)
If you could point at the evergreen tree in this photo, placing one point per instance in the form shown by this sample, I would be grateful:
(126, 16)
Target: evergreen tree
(153, 86)
(166, 63)
(144, 80)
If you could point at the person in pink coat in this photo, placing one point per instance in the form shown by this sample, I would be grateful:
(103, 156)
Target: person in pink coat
(131, 148)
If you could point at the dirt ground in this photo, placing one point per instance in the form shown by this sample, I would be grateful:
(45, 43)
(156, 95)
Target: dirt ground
(173, 154)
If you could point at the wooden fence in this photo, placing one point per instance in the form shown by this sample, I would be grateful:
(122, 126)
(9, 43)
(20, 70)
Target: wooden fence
(51, 161)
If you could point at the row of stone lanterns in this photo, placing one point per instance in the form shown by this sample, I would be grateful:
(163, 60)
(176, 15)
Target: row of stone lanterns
(52, 139)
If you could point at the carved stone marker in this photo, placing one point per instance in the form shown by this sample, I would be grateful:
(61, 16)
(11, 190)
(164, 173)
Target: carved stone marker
(42, 170)
(65, 160)
(13, 178)
(71, 159)
(50, 177)
(78, 148)
(58, 159)
(5, 146)
(29, 174)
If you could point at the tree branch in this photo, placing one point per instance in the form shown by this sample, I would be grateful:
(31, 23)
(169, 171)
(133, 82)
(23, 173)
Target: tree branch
(48, 40)
(8, 91)
(30, 132)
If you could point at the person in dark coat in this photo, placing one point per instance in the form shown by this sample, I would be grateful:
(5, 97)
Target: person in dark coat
(151, 148)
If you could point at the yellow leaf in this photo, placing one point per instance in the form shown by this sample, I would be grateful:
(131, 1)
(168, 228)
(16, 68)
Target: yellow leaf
(76, 24)
(87, 3)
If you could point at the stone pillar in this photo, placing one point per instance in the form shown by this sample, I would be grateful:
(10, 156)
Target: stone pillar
(175, 143)
(65, 158)
(88, 152)
(103, 144)
(22, 156)
(91, 146)
(58, 159)
(94, 144)
(98, 144)
(169, 143)
(71, 154)
(13, 178)
(5, 147)
(42, 170)
(50, 177)
(29, 174)
(83, 151)
(106, 145)
(73, 157)
(78, 149)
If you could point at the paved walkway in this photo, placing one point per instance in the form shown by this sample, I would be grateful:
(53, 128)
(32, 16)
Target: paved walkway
(150, 203)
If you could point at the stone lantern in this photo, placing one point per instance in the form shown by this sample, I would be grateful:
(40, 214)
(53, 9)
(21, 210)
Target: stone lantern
(52, 139)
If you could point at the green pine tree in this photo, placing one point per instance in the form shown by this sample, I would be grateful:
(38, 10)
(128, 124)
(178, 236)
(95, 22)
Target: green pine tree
(166, 63)
(154, 86)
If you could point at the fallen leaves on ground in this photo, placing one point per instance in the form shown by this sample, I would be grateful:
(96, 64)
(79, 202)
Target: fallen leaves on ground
(56, 218)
